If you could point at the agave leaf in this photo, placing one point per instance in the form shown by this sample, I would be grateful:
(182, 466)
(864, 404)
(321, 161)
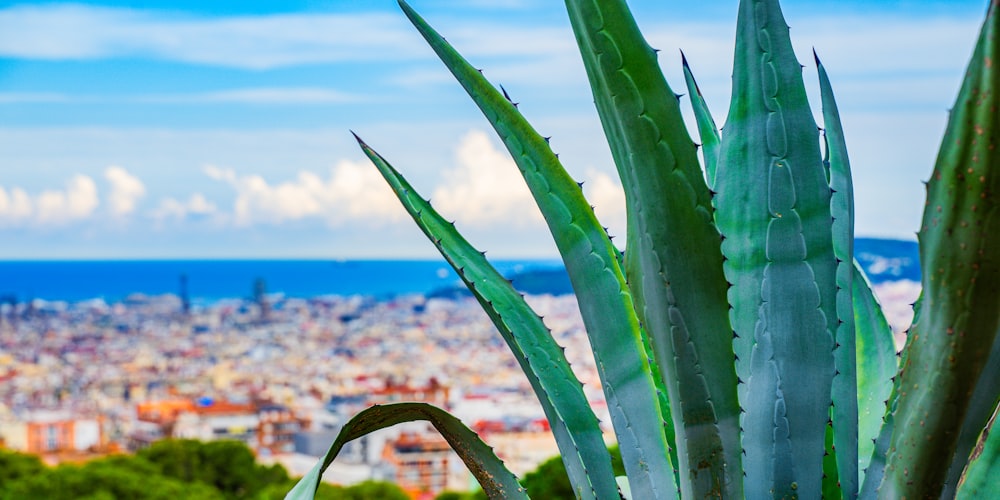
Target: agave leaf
(876, 364)
(845, 382)
(673, 261)
(980, 478)
(959, 244)
(496, 480)
(772, 188)
(831, 486)
(707, 130)
(592, 263)
(874, 474)
(985, 401)
(664, 399)
(573, 423)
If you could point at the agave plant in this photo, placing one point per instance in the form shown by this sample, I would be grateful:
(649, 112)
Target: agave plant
(739, 346)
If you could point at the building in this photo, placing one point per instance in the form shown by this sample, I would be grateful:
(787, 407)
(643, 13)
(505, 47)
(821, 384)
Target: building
(48, 432)
(419, 463)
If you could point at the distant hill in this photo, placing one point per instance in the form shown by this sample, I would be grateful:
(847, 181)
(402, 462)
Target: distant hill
(888, 260)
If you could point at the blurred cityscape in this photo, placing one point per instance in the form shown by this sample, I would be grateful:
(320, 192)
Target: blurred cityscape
(283, 375)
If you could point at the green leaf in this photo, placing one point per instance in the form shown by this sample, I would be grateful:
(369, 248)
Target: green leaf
(983, 405)
(592, 263)
(876, 356)
(663, 398)
(673, 260)
(845, 382)
(707, 130)
(980, 478)
(831, 486)
(960, 310)
(573, 422)
(772, 188)
(493, 476)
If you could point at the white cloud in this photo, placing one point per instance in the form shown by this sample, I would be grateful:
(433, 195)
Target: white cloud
(608, 198)
(77, 201)
(51, 207)
(354, 191)
(15, 206)
(126, 190)
(196, 206)
(485, 187)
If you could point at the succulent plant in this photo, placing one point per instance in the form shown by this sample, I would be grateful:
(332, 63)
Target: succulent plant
(740, 348)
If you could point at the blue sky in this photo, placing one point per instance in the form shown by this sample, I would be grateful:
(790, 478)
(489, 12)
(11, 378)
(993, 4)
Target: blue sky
(221, 129)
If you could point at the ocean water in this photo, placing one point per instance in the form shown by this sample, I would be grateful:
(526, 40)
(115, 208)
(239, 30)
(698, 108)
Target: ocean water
(210, 280)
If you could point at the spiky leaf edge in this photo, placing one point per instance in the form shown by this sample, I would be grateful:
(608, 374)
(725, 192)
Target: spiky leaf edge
(576, 428)
(592, 262)
(492, 474)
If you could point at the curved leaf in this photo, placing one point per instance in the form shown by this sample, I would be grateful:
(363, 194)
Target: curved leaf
(845, 381)
(876, 357)
(707, 130)
(985, 401)
(592, 263)
(960, 310)
(980, 478)
(560, 393)
(493, 476)
(673, 261)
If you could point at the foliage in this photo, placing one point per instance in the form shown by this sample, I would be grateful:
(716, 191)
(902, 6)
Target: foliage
(227, 466)
(168, 469)
(740, 349)
(113, 477)
(16, 466)
(549, 479)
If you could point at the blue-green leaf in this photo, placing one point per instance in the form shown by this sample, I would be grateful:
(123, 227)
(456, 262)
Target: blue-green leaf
(493, 476)
(673, 261)
(560, 393)
(707, 130)
(772, 188)
(950, 341)
(845, 382)
(592, 263)
(876, 358)
(981, 478)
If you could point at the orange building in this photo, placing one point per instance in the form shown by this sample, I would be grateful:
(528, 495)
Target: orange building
(420, 462)
(47, 432)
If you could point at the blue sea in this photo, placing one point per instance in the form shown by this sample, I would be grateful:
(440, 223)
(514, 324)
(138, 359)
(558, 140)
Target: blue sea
(212, 280)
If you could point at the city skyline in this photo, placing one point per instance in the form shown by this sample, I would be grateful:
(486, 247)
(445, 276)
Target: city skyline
(183, 130)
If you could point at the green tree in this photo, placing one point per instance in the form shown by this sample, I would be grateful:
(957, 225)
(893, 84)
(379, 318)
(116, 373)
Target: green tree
(375, 489)
(15, 466)
(228, 466)
(111, 478)
(550, 479)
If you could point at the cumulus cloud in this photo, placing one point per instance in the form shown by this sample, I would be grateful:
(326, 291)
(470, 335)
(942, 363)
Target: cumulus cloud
(608, 198)
(15, 206)
(485, 187)
(352, 191)
(50, 207)
(195, 207)
(77, 201)
(126, 190)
